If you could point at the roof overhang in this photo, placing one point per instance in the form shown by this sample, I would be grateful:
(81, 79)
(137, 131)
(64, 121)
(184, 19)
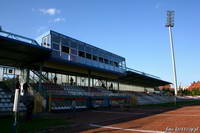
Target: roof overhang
(18, 53)
(22, 54)
(134, 78)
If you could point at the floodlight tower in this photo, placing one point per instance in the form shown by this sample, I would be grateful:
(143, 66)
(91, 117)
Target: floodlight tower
(170, 24)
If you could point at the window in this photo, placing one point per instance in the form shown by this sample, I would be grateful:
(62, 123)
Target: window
(95, 57)
(81, 53)
(56, 38)
(106, 61)
(111, 62)
(101, 59)
(56, 46)
(45, 41)
(65, 49)
(73, 44)
(88, 56)
(116, 64)
(74, 51)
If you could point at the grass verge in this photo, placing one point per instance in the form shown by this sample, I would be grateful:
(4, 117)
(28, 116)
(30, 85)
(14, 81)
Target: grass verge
(33, 126)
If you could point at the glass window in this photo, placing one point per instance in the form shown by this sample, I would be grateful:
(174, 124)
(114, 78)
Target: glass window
(48, 40)
(106, 61)
(111, 62)
(81, 47)
(73, 44)
(116, 64)
(81, 53)
(56, 46)
(65, 49)
(56, 38)
(100, 59)
(74, 51)
(45, 41)
(94, 57)
(89, 56)
(65, 42)
(87, 49)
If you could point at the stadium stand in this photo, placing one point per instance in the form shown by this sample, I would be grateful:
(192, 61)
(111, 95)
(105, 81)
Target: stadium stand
(6, 102)
(64, 72)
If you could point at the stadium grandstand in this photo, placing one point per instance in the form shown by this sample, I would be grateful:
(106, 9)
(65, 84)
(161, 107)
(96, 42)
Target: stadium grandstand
(60, 69)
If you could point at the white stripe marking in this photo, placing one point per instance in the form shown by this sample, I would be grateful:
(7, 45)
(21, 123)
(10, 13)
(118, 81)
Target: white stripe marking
(126, 129)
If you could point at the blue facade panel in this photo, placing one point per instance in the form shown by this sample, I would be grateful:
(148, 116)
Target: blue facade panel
(80, 52)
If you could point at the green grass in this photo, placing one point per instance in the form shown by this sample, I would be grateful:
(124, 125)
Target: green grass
(5, 125)
(36, 124)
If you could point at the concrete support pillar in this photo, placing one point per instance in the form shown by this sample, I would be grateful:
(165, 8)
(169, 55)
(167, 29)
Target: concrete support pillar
(68, 78)
(118, 86)
(27, 75)
(40, 78)
(76, 80)
(106, 84)
(48, 76)
(89, 75)
(92, 82)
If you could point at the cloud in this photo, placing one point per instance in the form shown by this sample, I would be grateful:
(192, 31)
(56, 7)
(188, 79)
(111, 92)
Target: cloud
(157, 6)
(49, 11)
(32, 9)
(41, 29)
(56, 20)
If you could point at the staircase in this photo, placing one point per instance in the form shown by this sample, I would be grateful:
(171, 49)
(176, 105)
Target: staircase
(6, 103)
(43, 77)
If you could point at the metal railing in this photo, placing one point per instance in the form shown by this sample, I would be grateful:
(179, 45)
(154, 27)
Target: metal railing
(18, 37)
(142, 73)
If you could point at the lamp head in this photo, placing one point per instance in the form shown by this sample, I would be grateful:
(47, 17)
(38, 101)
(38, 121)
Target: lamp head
(170, 19)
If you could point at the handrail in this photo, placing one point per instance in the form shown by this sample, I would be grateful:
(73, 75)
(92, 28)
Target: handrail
(142, 73)
(18, 37)
(42, 76)
(41, 91)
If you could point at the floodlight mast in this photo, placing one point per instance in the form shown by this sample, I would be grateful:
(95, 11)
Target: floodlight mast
(170, 24)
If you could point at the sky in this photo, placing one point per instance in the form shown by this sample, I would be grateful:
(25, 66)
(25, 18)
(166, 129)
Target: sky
(134, 29)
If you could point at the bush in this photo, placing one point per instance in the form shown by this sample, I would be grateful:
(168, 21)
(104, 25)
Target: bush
(193, 92)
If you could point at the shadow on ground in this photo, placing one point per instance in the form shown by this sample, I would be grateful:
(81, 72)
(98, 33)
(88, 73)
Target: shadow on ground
(105, 117)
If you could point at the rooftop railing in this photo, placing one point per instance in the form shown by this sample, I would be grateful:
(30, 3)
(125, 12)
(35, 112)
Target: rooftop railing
(18, 37)
(142, 73)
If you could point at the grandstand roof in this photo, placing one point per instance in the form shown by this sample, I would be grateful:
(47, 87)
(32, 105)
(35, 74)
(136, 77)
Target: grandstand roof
(19, 53)
(16, 53)
(142, 79)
